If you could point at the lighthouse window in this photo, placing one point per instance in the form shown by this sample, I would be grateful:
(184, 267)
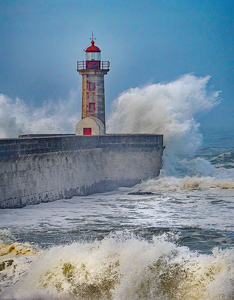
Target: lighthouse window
(91, 86)
(93, 55)
(91, 107)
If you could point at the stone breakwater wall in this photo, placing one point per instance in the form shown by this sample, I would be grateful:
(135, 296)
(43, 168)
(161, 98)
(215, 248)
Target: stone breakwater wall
(43, 169)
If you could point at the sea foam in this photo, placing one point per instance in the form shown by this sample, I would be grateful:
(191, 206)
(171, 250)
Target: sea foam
(124, 267)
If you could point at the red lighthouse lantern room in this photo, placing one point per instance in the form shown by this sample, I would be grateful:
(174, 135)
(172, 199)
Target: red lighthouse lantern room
(93, 57)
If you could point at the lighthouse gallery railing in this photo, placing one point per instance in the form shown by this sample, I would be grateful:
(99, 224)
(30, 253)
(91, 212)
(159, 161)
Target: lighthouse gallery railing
(104, 65)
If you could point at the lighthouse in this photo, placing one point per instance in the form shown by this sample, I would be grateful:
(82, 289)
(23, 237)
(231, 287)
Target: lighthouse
(93, 92)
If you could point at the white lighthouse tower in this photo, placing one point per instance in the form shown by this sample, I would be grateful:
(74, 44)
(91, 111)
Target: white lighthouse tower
(93, 92)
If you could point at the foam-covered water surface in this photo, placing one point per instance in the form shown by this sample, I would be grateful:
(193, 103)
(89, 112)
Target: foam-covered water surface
(121, 266)
(133, 243)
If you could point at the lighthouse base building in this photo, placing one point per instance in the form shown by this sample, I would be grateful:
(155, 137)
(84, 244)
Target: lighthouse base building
(37, 168)
(90, 126)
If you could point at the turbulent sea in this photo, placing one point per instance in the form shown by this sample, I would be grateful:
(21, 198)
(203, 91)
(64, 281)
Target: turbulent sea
(167, 238)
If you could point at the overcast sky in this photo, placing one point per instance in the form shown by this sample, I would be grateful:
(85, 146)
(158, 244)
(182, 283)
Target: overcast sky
(145, 42)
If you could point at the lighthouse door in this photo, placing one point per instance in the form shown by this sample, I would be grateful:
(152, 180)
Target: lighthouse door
(87, 131)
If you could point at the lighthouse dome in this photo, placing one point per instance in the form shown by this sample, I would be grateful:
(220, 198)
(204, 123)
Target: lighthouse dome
(92, 48)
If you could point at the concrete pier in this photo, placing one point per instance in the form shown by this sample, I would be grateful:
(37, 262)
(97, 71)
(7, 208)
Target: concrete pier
(43, 169)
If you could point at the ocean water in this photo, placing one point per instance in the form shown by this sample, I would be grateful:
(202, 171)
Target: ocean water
(167, 238)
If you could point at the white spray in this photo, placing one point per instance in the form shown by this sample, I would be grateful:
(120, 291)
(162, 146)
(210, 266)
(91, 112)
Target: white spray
(169, 109)
(17, 117)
